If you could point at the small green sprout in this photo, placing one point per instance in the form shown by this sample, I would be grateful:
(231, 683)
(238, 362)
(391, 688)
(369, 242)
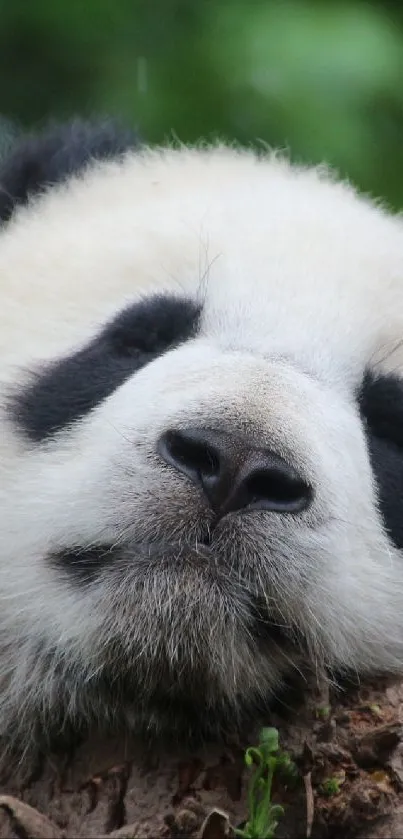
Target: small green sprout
(266, 759)
(323, 712)
(375, 710)
(331, 787)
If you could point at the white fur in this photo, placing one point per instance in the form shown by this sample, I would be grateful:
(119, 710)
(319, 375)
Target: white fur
(302, 287)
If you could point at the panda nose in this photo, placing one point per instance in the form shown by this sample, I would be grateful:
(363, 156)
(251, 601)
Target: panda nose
(233, 474)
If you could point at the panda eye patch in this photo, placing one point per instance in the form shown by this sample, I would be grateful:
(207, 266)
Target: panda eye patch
(381, 406)
(153, 326)
(69, 388)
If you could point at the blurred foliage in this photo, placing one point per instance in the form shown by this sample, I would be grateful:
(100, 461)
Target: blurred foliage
(321, 77)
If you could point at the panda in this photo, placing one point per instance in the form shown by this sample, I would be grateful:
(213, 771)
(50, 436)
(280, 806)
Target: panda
(201, 433)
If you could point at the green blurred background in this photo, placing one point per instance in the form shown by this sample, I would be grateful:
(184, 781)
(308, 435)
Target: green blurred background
(322, 78)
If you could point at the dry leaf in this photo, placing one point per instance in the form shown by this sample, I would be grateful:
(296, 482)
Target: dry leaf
(215, 826)
(30, 821)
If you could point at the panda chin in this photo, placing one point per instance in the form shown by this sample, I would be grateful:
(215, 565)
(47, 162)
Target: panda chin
(147, 656)
(186, 703)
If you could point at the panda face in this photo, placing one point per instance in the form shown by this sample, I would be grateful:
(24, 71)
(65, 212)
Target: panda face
(201, 453)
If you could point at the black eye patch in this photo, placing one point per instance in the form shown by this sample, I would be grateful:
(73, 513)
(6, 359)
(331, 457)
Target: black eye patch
(381, 405)
(69, 388)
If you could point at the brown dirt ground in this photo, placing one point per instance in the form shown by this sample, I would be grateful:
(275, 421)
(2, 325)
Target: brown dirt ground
(107, 789)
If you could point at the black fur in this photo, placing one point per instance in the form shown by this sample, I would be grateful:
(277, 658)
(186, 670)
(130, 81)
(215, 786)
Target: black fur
(72, 386)
(381, 406)
(38, 162)
(83, 565)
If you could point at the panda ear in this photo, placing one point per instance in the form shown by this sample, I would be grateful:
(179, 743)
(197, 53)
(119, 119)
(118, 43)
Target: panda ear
(38, 162)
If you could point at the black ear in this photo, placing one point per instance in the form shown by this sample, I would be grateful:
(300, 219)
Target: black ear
(40, 161)
(381, 406)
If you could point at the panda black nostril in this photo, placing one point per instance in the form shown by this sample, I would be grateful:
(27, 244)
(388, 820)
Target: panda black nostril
(278, 488)
(189, 454)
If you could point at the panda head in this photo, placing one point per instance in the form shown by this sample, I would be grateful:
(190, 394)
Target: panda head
(201, 449)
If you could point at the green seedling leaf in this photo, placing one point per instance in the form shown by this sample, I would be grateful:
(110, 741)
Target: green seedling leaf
(264, 760)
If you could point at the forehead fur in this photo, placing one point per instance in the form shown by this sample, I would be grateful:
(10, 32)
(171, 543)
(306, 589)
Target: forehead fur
(241, 231)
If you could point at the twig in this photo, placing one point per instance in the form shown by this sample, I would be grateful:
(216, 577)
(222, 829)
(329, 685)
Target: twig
(310, 807)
